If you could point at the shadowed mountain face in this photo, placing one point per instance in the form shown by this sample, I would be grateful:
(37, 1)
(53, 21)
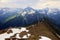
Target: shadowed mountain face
(18, 17)
(54, 16)
(11, 17)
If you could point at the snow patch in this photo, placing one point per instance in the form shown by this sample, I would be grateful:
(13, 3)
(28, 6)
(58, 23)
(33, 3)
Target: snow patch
(44, 38)
(15, 31)
(17, 36)
(31, 12)
(25, 36)
(23, 14)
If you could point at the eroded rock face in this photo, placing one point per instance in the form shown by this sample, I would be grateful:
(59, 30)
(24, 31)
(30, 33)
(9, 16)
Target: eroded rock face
(23, 33)
(9, 31)
(2, 31)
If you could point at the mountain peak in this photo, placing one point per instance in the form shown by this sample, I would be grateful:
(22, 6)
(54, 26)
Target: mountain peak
(29, 8)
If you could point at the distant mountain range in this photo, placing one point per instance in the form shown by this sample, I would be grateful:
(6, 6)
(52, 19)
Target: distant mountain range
(11, 17)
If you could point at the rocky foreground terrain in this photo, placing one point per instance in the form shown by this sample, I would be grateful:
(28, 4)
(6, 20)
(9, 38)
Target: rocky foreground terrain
(32, 32)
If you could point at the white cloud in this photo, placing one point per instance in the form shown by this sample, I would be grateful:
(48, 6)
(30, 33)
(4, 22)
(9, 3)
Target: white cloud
(16, 3)
(32, 3)
(47, 3)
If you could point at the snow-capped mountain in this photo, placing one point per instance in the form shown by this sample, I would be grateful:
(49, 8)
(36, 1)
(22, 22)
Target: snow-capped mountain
(23, 17)
(54, 16)
(18, 17)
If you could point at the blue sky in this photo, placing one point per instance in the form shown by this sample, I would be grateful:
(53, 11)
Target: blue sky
(32, 3)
